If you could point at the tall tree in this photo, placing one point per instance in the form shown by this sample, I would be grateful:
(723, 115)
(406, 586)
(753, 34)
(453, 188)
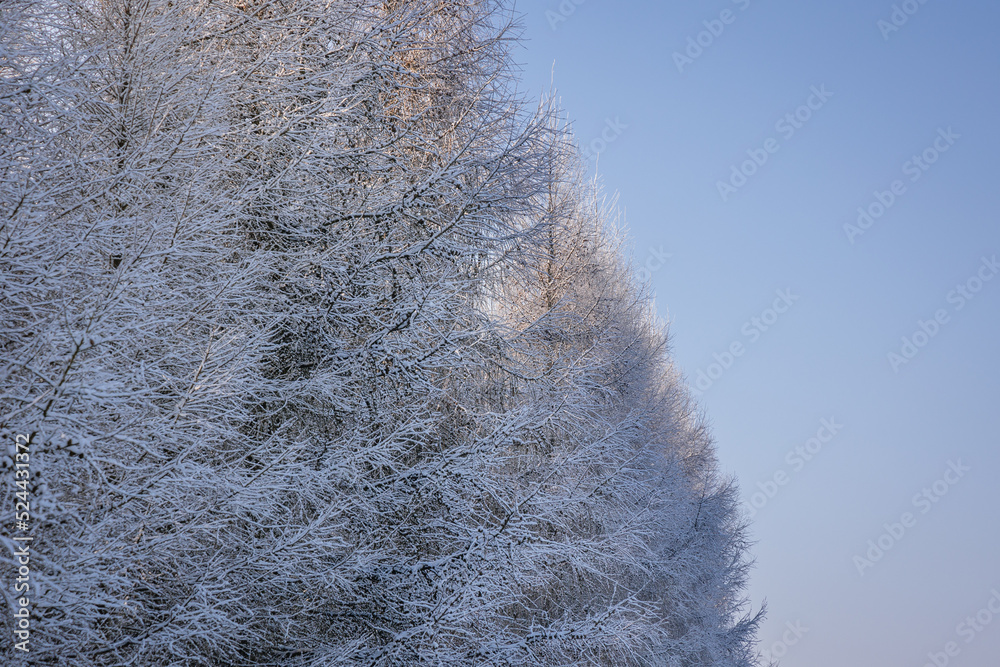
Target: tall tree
(127, 341)
(633, 547)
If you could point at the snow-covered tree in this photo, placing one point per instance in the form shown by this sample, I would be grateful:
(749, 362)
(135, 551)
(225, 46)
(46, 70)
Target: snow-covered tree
(633, 547)
(329, 355)
(129, 335)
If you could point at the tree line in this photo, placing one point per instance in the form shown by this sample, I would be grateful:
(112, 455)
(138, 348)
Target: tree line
(330, 354)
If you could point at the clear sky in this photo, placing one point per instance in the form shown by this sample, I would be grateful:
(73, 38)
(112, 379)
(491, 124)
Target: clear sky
(899, 119)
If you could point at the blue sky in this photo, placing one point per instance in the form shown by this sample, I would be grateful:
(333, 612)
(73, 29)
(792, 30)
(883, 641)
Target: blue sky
(673, 129)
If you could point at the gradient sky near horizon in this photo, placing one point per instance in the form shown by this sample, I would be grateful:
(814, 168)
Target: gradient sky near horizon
(667, 131)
